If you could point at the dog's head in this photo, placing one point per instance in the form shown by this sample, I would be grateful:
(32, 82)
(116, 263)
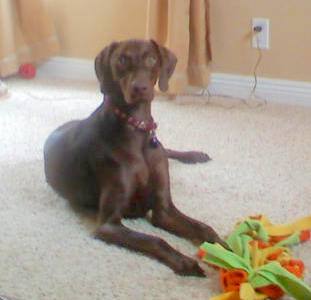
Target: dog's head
(130, 69)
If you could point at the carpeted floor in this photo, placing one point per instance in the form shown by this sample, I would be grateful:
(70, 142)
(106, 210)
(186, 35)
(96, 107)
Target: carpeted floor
(261, 165)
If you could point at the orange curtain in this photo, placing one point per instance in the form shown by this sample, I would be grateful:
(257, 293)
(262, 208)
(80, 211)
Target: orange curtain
(183, 26)
(26, 34)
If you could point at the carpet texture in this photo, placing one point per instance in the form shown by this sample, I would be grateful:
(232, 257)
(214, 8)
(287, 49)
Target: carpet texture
(261, 165)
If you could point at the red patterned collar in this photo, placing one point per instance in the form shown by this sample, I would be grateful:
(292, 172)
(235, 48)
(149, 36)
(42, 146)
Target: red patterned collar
(147, 126)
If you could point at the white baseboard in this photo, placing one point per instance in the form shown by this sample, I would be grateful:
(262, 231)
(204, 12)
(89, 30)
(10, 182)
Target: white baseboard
(272, 90)
(236, 86)
(67, 68)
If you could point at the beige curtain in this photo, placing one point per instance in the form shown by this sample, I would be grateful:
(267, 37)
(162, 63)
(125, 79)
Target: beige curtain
(183, 26)
(26, 34)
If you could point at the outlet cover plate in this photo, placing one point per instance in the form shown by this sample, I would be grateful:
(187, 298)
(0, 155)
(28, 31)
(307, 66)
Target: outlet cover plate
(261, 40)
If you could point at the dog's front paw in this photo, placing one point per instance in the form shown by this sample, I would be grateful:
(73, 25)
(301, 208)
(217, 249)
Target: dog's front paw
(215, 239)
(200, 157)
(189, 267)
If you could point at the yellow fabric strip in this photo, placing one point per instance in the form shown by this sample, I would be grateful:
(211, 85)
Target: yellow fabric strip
(286, 229)
(247, 292)
(227, 296)
(255, 256)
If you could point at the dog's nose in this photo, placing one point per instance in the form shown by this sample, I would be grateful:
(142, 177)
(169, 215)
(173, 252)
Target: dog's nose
(139, 88)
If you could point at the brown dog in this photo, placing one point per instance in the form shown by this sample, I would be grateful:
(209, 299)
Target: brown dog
(113, 161)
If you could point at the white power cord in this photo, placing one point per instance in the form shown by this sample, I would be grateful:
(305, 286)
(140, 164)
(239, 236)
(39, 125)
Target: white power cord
(252, 95)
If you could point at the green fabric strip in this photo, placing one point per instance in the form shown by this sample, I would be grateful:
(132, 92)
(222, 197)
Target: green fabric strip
(275, 274)
(291, 240)
(223, 258)
(244, 228)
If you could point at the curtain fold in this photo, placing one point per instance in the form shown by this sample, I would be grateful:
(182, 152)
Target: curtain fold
(27, 34)
(183, 26)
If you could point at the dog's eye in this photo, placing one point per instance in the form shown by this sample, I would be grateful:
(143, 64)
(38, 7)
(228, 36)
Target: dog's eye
(150, 61)
(123, 60)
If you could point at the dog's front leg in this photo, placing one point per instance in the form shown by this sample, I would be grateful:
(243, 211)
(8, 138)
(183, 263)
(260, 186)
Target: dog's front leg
(166, 216)
(176, 222)
(111, 230)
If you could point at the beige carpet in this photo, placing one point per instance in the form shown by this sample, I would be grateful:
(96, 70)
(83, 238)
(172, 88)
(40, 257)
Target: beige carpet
(261, 165)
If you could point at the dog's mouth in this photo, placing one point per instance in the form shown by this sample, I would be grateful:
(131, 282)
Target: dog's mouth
(137, 98)
(141, 97)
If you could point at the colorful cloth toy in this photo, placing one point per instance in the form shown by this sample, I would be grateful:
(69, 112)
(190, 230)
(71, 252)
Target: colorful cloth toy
(260, 265)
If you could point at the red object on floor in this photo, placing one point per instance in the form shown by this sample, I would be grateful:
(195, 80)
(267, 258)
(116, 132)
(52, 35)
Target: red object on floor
(27, 71)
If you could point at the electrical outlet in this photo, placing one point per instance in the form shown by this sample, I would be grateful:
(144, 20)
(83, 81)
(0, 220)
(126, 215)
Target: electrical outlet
(261, 39)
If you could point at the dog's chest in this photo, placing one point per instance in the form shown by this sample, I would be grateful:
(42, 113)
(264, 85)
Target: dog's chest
(145, 165)
(141, 173)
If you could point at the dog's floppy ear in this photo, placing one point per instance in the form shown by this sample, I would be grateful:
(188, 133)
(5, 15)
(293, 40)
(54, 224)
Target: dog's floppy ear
(168, 62)
(103, 67)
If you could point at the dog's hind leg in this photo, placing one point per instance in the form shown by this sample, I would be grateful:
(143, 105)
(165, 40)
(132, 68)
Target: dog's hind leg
(188, 157)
